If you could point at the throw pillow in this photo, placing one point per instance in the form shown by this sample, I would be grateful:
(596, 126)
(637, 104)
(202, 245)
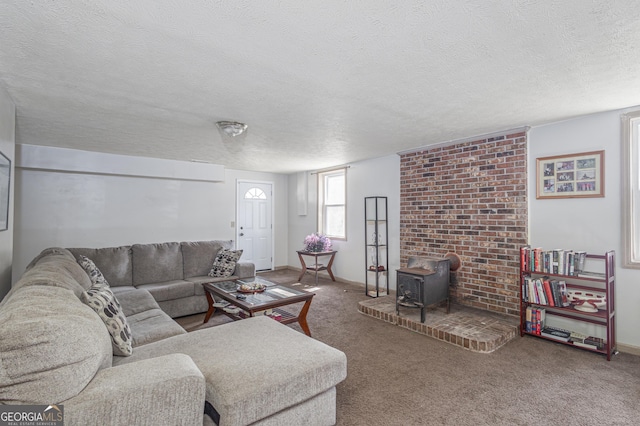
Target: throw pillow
(102, 300)
(92, 270)
(225, 263)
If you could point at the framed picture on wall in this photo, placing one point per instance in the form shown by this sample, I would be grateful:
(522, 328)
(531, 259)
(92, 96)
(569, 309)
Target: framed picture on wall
(570, 176)
(5, 176)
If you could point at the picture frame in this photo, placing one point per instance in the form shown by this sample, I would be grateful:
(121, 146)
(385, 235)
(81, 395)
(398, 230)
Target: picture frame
(570, 176)
(5, 186)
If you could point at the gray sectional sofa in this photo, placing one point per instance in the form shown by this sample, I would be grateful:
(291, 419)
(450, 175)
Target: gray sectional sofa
(54, 349)
(172, 272)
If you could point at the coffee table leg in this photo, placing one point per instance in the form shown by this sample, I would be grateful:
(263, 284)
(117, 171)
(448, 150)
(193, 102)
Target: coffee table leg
(211, 309)
(302, 318)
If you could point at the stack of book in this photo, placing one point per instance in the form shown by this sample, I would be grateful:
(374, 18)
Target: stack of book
(584, 341)
(558, 261)
(537, 326)
(545, 291)
(535, 319)
(556, 333)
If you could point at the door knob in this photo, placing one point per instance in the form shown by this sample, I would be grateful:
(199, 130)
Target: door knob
(242, 234)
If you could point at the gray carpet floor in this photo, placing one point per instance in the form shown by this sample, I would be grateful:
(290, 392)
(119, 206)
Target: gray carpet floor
(398, 377)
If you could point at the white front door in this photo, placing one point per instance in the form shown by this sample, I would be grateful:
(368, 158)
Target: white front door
(254, 227)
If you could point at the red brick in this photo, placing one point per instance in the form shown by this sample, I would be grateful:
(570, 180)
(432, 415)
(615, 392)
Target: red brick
(452, 210)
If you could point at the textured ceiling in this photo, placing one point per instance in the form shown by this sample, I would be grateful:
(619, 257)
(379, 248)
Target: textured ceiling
(320, 83)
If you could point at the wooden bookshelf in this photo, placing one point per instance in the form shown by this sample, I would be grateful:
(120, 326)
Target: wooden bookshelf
(602, 282)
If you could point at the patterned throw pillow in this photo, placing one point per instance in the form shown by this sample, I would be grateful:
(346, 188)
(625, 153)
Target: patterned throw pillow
(225, 263)
(92, 270)
(102, 300)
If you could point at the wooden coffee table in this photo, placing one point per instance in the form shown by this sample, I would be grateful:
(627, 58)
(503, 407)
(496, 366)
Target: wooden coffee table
(273, 298)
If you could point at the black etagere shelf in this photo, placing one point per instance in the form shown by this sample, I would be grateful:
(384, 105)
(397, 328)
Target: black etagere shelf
(376, 249)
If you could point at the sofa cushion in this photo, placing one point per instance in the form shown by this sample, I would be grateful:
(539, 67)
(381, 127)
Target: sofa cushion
(154, 263)
(51, 346)
(114, 263)
(121, 289)
(169, 290)
(55, 267)
(198, 256)
(102, 300)
(186, 306)
(225, 263)
(92, 271)
(152, 325)
(198, 281)
(135, 301)
(259, 366)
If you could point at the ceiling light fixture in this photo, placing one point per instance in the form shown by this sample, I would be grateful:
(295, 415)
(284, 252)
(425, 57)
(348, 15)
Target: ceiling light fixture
(231, 128)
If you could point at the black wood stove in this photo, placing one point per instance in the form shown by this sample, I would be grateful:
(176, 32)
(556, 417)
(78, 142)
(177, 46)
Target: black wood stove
(425, 281)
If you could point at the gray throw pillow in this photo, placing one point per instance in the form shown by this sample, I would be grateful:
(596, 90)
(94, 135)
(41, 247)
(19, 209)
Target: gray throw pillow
(102, 300)
(92, 270)
(225, 263)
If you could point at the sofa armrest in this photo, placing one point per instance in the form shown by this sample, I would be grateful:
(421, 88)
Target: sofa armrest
(245, 270)
(168, 389)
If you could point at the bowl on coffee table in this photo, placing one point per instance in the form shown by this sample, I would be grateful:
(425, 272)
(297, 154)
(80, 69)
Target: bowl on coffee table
(251, 288)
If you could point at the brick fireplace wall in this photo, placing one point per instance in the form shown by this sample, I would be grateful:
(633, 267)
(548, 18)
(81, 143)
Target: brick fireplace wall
(469, 198)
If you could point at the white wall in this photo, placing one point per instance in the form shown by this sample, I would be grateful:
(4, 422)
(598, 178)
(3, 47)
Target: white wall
(96, 210)
(7, 147)
(591, 224)
(67, 209)
(379, 176)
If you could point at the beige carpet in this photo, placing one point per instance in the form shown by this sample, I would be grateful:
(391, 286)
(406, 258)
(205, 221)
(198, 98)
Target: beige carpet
(398, 377)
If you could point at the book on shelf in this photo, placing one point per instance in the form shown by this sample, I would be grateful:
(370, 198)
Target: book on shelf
(596, 341)
(524, 257)
(528, 315)
(564, 293)
(538, 318)
(537, 254)
(546, 262)
(547, 291)
(556, 261)
(555, 291)
(560, 261)
(577, 337)
(581, 258)
(555, 264)
(533, 293)
(556, 333)
(570, 270)
(559, 292)
(540, 291)
(594, 275)
(591, 342)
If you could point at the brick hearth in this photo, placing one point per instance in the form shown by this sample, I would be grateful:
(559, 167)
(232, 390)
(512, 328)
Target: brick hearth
(469, 328)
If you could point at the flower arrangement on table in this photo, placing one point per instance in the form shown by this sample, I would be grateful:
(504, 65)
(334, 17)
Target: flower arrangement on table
(317, 242)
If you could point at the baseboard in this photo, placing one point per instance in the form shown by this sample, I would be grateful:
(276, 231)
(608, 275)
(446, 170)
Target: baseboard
(322, 274)
(628, 349)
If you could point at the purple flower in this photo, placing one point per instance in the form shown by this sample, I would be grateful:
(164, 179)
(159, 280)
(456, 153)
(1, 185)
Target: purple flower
(316, 243)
